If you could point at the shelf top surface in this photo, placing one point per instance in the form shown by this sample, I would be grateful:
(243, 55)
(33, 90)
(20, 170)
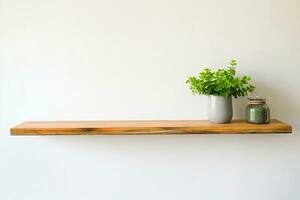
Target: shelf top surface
(143, 127)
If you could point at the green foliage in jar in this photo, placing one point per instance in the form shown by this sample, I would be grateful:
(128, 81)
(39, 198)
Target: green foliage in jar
(222, 82)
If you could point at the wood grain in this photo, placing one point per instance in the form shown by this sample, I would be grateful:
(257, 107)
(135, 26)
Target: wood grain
(155, 127)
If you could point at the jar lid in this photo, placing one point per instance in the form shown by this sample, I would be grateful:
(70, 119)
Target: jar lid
(257, 100)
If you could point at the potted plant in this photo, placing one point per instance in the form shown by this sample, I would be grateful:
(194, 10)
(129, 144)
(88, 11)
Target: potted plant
(220, 86)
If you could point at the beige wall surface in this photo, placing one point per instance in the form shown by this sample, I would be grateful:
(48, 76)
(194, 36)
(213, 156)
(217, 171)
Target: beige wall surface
(129, 59)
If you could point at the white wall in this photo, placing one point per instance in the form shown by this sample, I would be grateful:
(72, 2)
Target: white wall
(116, 59)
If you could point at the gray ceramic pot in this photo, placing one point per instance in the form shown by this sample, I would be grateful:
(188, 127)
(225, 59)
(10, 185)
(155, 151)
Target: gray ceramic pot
(220, 109)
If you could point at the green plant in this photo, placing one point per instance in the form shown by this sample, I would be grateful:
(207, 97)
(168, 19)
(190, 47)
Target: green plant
(222, 82)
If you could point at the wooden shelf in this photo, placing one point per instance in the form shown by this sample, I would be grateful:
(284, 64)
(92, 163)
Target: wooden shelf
(157, 127)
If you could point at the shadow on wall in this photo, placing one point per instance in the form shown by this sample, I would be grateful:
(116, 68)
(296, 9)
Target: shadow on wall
(282, 104)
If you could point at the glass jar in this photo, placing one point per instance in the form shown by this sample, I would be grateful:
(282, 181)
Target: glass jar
(257, 111)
